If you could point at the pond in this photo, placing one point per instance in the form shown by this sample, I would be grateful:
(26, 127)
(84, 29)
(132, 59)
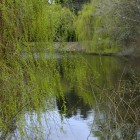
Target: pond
(100, 101)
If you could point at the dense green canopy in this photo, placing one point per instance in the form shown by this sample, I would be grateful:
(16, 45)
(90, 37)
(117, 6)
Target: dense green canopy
(104, 25)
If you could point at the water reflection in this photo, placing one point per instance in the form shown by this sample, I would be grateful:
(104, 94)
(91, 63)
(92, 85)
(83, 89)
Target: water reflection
(74, 105)
(118, 111)
(97, 98)
(119, 114)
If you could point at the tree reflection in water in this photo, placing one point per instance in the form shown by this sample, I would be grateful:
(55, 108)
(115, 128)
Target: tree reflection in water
(74, 104)
(116, 107)
(119, 111)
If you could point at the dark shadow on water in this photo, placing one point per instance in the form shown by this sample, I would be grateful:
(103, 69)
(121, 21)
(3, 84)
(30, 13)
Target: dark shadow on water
(74, 104)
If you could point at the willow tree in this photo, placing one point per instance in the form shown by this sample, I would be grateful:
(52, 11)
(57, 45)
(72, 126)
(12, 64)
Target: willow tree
(28, 80)
(109, 24)
(92, 21)
(26, 27)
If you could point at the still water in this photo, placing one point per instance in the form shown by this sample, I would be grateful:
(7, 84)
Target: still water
(106, 106)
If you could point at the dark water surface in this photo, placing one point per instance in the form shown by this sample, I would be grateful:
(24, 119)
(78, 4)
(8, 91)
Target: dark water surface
(105, 111)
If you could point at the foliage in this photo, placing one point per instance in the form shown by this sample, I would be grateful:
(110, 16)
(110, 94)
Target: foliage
(118, 117)
(28, 78)
(30, 81)
(125, 21)
(64, 25)
(105, 26)
(92, 31)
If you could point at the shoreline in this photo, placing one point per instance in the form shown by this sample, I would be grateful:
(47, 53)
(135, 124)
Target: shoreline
(76, 47)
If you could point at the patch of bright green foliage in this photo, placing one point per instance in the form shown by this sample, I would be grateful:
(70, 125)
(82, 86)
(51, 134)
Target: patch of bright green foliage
(30, 82)
(109, 26)
(92, 31)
